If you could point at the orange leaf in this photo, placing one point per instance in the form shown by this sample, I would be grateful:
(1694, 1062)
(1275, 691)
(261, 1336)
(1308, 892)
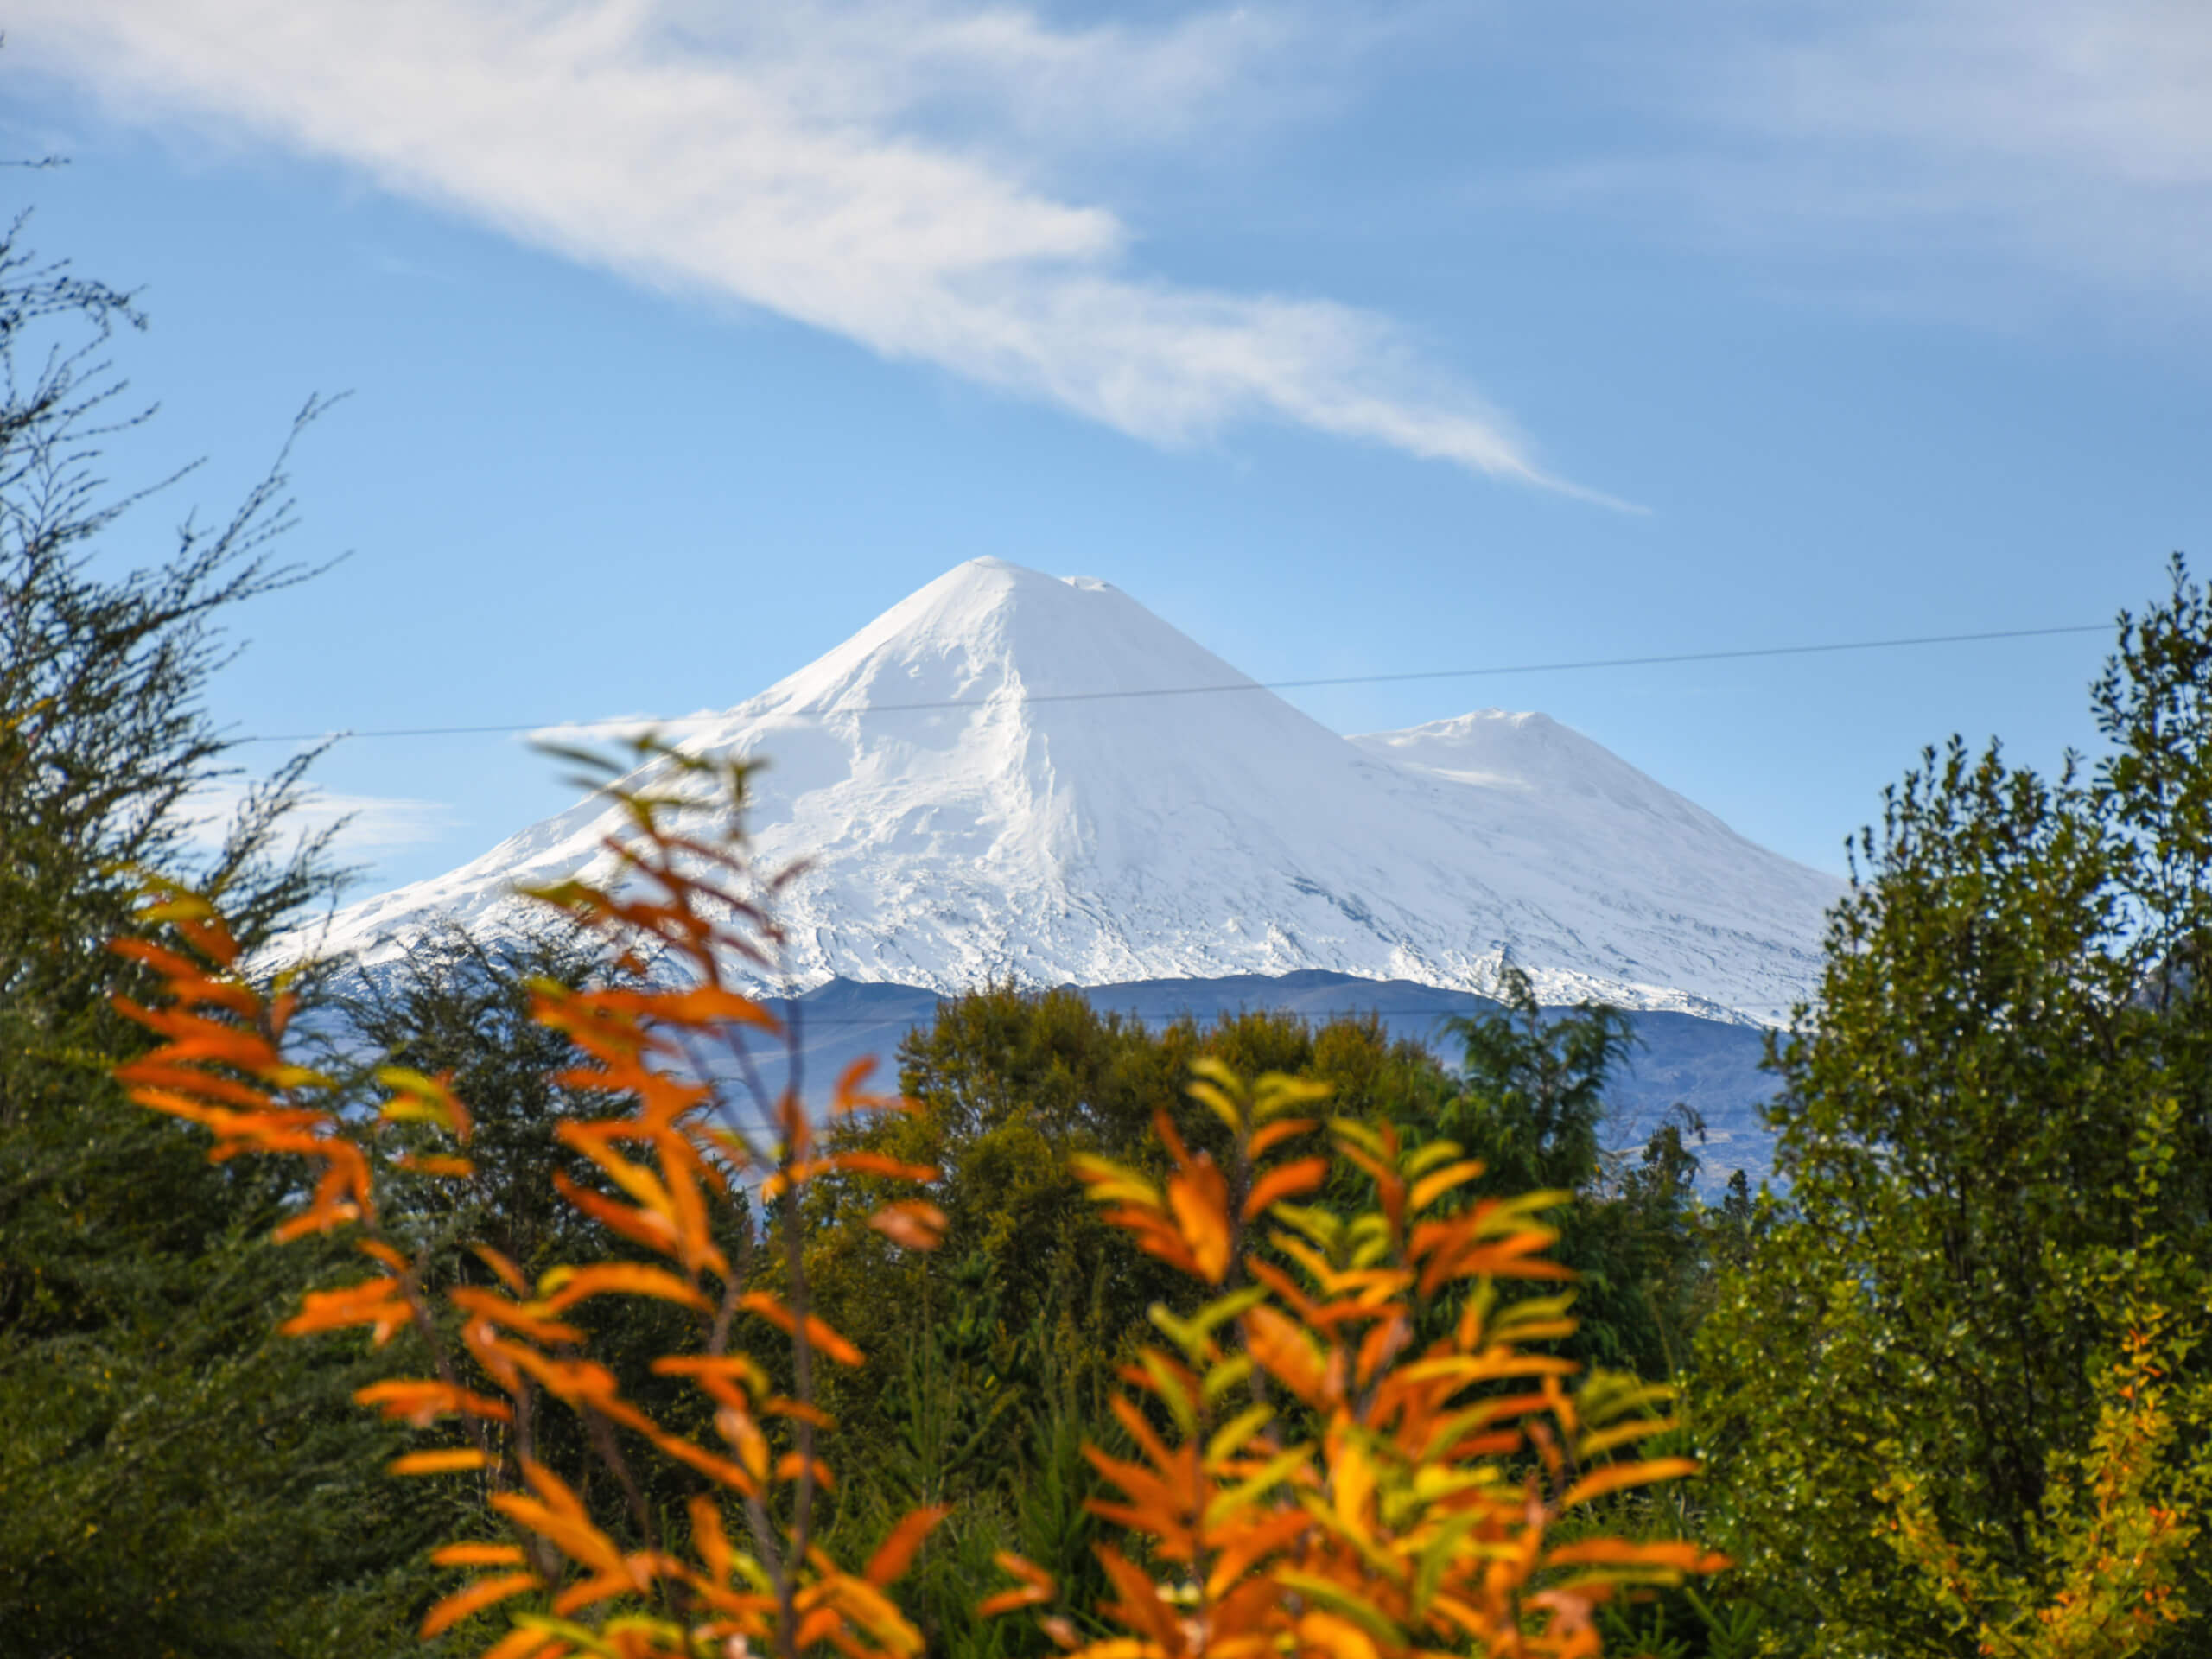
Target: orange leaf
(1276, 1133)
(478, 1596)
(1282, 1348)
(1437, 1183)
(560, 1519)
(1320, 1631)
(1024, 1569)
(567, 1287)
(590, 1592)
(421, 1402)
(376, 1251)
(442, 1167)
(653, 1230)
(452, 1462)
(847, 1096)
(509, 1275)
(742, 1430)
(742, 1481)
(514, 1316)
(203, 1042)
(527, 1643)
(817, 1626)
(1277, 1184)
(875, 1163)
(710, 1537)
(321, 1219)
(819, 1334)
(912, 1224)
(1036, 1588)
(1381, 1346)
(477, 1555)
(1009, 1601)
(892, 1557)
(1154, 1237)
(379, 1302)
(709, 1004)
(784, 1406)
(728, 1370)
(791, 1466)
(1624, 1552)
(1140, 1607)
(1199, 1199)
(579, 1382)
(172, 967)
(1615, 1477)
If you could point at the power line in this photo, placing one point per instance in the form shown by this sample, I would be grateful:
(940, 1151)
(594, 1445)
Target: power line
(1312, 683)
(810, 1021)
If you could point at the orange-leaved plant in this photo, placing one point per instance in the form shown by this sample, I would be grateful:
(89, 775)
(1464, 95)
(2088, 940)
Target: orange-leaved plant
(682, 1141)
(1353, 1448)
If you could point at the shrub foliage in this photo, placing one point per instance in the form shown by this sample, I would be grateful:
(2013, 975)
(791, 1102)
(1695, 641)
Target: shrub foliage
(1352, 1444)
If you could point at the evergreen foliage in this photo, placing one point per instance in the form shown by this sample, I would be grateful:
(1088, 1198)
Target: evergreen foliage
(1529, 1101)
(454, 1006)
(177, 1479)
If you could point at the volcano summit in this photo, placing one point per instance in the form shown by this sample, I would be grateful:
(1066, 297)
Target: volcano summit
(1015, 775)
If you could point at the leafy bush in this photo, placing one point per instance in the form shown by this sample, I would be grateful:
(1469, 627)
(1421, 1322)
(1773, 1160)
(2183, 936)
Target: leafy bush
(1363, 1451)
(1381, 1502)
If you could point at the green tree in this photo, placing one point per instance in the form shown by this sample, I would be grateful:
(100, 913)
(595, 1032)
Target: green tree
(448, 1004)
(1992, 1134)
(995, 1355)
(2152, 791)
(1531, 1103)
(992, 1349)
(175, 1476)
(1533, 1095)
(1007, 1087)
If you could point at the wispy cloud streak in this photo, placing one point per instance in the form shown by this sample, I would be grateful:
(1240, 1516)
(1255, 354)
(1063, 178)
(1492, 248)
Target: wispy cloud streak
(805, 159)
(2071, 134)
(367, 824)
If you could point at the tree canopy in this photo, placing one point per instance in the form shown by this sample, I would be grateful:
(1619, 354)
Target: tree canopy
(1991, 1134)
(178, 1477)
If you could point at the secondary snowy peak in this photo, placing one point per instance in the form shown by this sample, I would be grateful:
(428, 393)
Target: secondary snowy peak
(1011, 774)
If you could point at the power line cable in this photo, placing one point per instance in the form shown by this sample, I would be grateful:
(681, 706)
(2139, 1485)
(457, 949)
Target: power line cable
(841, 1021)
(1310, 683)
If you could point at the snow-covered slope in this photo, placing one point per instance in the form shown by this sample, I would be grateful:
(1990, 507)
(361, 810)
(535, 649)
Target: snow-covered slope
(1039, 830)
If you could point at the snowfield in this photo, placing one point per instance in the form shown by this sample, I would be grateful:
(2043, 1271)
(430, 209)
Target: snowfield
(1038, 831)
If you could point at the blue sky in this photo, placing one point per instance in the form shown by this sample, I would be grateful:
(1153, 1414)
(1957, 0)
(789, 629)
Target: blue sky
(682, 339)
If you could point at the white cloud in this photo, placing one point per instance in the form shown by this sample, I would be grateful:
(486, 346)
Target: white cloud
(863, 166)
(369, 823)
(611, 733)
(2087, 88)
(2073, 135)
(998, 68)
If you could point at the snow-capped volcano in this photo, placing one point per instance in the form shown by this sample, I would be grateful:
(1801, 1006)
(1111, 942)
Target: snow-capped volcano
(1011, 774)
